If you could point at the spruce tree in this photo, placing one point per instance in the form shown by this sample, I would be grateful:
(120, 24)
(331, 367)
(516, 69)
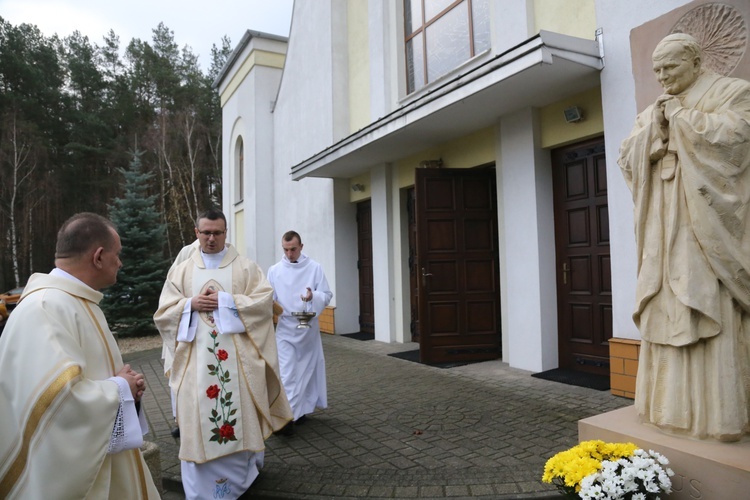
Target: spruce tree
(131, 302)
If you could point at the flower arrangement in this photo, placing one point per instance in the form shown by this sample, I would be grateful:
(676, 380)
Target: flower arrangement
(602, 471)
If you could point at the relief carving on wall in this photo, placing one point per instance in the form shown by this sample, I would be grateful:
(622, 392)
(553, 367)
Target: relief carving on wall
(721, 32)
(721, 29)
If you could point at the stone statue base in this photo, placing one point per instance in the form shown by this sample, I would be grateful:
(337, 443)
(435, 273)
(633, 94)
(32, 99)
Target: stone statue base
(704, 470)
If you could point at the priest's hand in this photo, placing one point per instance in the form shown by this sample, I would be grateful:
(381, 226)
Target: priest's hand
(308, 296)
(136, 381)
(205, 302)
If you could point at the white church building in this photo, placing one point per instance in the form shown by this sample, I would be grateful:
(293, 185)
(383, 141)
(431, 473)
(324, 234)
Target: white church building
(453, 167)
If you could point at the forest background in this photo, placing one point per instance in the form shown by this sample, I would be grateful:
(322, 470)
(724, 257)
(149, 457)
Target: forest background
(76, 117)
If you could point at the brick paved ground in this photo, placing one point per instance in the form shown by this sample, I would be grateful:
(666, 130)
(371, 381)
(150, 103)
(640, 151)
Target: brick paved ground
(399, 429)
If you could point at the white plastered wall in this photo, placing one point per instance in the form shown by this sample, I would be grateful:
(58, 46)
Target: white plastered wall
(310, 114)
(618, 101)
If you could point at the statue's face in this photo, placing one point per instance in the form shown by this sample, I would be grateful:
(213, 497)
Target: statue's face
(674, 68)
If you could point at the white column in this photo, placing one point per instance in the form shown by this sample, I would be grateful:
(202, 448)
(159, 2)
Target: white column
(528, 296)
(382, 257)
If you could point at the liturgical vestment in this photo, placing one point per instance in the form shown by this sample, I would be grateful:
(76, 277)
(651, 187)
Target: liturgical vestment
(57, 407)
(227, 385)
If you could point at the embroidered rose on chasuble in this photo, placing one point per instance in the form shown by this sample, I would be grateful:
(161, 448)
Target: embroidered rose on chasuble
(222, 414)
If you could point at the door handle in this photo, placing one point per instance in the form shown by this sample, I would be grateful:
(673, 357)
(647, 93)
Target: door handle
(425, 276)
(565, 273)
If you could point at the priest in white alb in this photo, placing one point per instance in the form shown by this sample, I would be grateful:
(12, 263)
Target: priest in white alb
(299, 284)
(215, 316)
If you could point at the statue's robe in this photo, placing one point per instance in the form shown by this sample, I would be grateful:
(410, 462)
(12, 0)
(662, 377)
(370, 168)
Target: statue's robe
(692, 228)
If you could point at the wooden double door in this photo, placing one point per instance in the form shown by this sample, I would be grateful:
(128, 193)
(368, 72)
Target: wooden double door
(454, 261)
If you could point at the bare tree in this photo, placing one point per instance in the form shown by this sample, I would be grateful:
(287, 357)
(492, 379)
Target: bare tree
(18, 161)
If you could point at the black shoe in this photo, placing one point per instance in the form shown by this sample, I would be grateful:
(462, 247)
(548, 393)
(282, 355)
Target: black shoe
(301, 420)
(287, 430)
(176, 432)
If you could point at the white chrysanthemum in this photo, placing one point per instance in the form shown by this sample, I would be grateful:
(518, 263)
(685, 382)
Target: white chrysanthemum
(639, 496)
(651, 487)
(630, 485)
(660, 458)
(611, 486)
(593, 492)
(588, 481)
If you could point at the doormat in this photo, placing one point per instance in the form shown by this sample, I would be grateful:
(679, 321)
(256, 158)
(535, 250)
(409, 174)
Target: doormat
(359, 336)
(414, 356)
(572, 377)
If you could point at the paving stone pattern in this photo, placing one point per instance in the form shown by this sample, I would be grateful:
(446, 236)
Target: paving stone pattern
(398, 429)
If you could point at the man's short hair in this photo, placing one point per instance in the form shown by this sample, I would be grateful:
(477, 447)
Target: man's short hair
(211, 214)
(81, 233)
(290, 235)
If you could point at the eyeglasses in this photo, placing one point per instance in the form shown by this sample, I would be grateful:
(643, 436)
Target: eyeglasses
(208, 234)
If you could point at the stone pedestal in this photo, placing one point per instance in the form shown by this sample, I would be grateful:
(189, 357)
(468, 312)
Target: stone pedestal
(704, 470)
(152, 457)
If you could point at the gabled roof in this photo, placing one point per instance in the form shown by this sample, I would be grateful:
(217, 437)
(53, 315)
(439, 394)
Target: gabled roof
(234, 56)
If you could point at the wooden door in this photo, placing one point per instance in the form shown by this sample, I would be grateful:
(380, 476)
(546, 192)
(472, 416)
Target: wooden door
(457, 265)
(584, 281)
(364, 267)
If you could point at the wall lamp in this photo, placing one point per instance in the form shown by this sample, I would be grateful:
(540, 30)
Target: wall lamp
(573, 114)
(431, 163)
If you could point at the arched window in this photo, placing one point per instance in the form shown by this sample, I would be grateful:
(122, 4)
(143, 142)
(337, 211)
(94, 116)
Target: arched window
(239, 171)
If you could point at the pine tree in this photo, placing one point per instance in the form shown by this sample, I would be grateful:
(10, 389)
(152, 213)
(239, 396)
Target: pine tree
(131, 302)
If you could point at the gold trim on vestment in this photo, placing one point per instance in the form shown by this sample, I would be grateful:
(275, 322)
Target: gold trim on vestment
(8, 481)
(141, 474)
(101, 334)
(136, 455)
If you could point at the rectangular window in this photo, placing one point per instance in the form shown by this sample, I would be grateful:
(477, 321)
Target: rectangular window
(442, 34)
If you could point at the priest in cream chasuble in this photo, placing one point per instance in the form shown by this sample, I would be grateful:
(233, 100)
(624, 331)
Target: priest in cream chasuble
(69, 423)
(215, 315)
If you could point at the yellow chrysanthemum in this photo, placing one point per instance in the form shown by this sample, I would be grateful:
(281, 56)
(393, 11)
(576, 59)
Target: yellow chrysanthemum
(569, 467)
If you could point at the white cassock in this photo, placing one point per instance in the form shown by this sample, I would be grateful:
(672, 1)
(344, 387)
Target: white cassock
(68, 427)
(224, 372)
(303, 369)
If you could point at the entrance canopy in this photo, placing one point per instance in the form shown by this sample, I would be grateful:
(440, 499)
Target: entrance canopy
(538, 72)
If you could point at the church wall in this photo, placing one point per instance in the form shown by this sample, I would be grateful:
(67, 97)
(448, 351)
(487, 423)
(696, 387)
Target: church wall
(246, 114)
(619, 105)
(359, 65)
(572, 17)
(304, 122)
(557, 132)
